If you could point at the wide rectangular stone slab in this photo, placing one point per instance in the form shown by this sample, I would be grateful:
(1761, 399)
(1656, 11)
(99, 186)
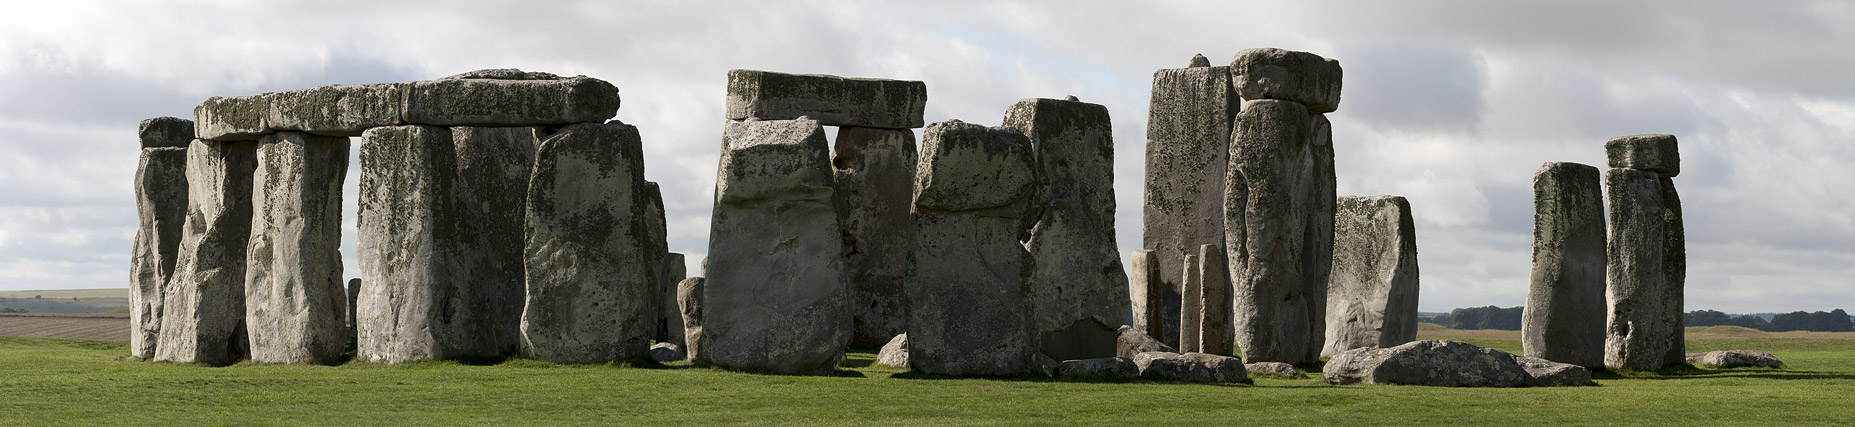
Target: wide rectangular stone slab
(1372, 294)
(485, 98)
(1657, 153)
(1638, 328)
(832, 100)
(161, 207)
(336, 110)
(295, 303)
(203, 309)
(1187, 143)
(1305, 78)
(232, 118)
(874, 172)
(1565, 294)
(488, 102)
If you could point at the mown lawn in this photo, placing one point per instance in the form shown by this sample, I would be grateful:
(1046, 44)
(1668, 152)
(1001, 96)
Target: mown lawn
(55, 381)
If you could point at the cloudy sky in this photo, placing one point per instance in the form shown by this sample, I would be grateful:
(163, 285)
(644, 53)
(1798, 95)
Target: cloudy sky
(1452, 104)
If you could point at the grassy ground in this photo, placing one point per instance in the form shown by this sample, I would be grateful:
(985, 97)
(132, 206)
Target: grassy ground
(56, 381)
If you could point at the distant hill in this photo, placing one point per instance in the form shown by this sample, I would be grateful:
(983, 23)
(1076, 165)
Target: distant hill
(65, 300)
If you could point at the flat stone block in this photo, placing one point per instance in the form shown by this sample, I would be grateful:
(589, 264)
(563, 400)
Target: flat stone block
(1372, 295)
(173, 132)
(336, 110)
(832, 100)
(1305, 78)
(232, 118)
(1657, 153)
(494, 102)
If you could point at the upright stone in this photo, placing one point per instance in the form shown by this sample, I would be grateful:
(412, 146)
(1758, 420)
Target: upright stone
(411, 246)
(831, 100)
(671, 313)
(493, 168)
(1675, 273)
(161, 206)
(1216, 333)
(1079, 288)
(203, 310)
(656, 248)
(1317, 255)
(1145, 288)
(1305, 78)
(1188, 141)
(1372, 296)
(774, 296)
(354, 296)
(294, 298)
(1191, 305)
(968, 291)
(1638, 329)
(1565, 295)
(1266, 215)
(689, 303)
(589, 286)
(874, 171)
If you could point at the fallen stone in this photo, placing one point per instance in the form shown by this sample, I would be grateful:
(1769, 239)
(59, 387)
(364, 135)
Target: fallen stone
(831, 100)
(1546, 373)
(874, 171)
(1191, 367)
(1132, 341)
(294, 298)
(335, 110)
(1566, 291)
(589, 300)
(1191, 310)
(165, 132)
(667, 352)
(1267, 217)
(1102, 368)
(1448, 364)
(232, 118)
(968, 291)
(203, 307)
(493, 168)
(1188, 141)
(1216, 334)
(689, 301)
(1638, 331)
(1273, 369)
(1301, 77)
(1372, 294)
(161, 207)
(1734, 359)
(775, 296)
(502, 102)
(1655, 153)
(1145, 289)
(895, 353)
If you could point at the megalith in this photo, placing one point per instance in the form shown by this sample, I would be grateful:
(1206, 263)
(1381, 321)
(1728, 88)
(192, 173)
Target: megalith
(1271, 73)
(1187, 144)
(1266, 216)
(161, 207)
(874, 171)
(1647, 268)
(1145, 287)
(968, 289)
(1216, 333)
(590, 297)
(203, 309)
(295, 303)
(1565, 294)
(493, 168)
(1372, 293)
(670, 311)
(689, 304)
(656, 248)
(774, 296)
(1191, 305)
(489, 98)
(1079, 288)
(830, 100)
(1317, 250)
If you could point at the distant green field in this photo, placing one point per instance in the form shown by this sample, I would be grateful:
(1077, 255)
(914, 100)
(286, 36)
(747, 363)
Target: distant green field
(66, 301)
(53, 381)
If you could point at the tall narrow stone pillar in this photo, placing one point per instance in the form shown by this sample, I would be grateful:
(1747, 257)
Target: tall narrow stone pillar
(1145, 288)
(656, 247)
(203, 311)
(1188, 140)
(493, 168)
(1647, 254)
(874, 171)
(1565, 296)
(1372, 296)
(1317, 256)
(411, 245)
(1216, 335)
(673, 272)
(161, 206)
(295, 303)
(1191, 305)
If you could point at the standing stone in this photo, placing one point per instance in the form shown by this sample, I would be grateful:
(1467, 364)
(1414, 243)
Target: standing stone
(656, 248)
(493, 168)
(774, 297)
(1305, 78)
(1372, 296)
(203, 309)
(1317, 255)
(411, 245)
(1267, 190)
(874, 171)
(589, 288)
(161, 205)
(1188, 141)
(1145, 288)
(968, 290)
(1675, 270)
(689, 302)
(294, 299)
(354, 295)
(832, 100)
(671, 313)
(1638, 329)
(1216, 334)
(1565, 296)
(1079, 288)
(1191, 305)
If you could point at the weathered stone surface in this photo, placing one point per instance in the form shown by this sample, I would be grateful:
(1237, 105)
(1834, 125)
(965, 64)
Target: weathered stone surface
(1102, 368)
(1637, 334)
(1132, 341)
(671, 317)
(1305, 78)
(1734, 359)
(968, 290)
(667, 352)
(1199, 60)
(203, 309)
(895, 353)
(335, 110)
(1565, 296)
(354, 296)
(589, 294)
(1188, 140)
(1318, 241)
(1273, 369)
(165, 132)
(1657, 153)
(1191, 310)
(1372, 295)
(1191, 367)
(832, 100)
(1674, 273)
(689, 301)
(1448, 364)
(503, 102)
(656, 248)
(775, 297)
(874, 171)
(161, 206)
(1216, 334)
(503, 74)
(493, 168)
(232, 118)
(1266, 211)
(294, 298)
(1145, 289)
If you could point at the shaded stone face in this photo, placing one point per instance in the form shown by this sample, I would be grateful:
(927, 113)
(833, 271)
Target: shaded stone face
(1638, 327)
(294, 299)
(203, 309)
(170, 132)
(1305, 78)
(1216, 333)
(590, 296)
(493, 168)
(1266, 213)
(1372, 296)
(488, 98)
(1657, 153)
(1317, 252)
(874, 171)
(1188, 140)
(968, 290)
(656, 248)
(161, 206)
(1565, 296)
(831, 100)
(689, 302)
(1674, 273)
(775, 297)
(670, 313)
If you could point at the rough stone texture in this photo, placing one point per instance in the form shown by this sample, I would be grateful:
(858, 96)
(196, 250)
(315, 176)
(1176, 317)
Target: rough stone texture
(775, 298)
(832, 100)
(1191, 310)
(1448, 364)
(1188, 141)
(354, 296)
(294, 298)
(493, 168)
(1273, 369)
(874, 171)
(1216, 334)
(1266, 210)
(689, 302)
(1305, 78)
(968, 290)
(203, 307)
(500, 97)
(1656, 153)
(232, 118)
(335, 110)
(1191, 367)
(1734, 359)
(667, 352)
(161, 206)
(1318, 241)
(656, 248)
(1132, 341)
(1079, 287)
(589, 297)
(1565, 296)
(1637, 334)
(1199, 60)
(1145, 289)
(1674, 273)
(1372, 295)
(1102, 368)
(671, 318)
(895, 353)
(502, 102)
(503, 74)
(165, 132)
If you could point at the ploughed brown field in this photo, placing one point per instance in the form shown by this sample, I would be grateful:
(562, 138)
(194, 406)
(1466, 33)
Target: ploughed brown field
(90, 326)
(1432, 331)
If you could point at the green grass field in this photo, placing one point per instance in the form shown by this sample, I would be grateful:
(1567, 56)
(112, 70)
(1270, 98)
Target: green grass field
(66, 300)
(55, 381)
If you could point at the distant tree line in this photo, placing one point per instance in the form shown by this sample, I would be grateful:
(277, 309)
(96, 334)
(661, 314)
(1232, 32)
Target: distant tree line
(1831, 321)
(1489, 317)
(11, 310)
